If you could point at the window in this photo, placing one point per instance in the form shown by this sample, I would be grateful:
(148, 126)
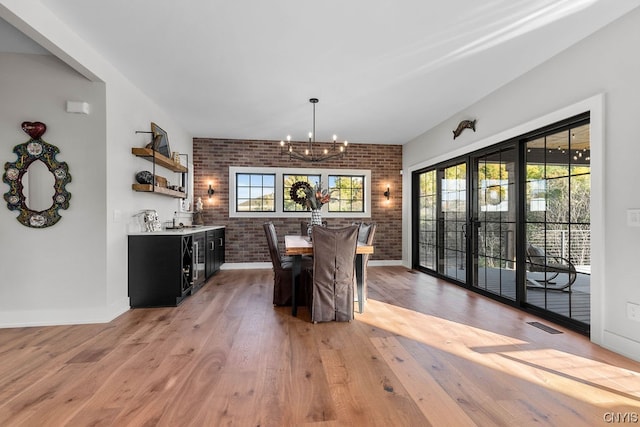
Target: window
(264, 192)
(347, 193)
(255, 192)
(287, 182)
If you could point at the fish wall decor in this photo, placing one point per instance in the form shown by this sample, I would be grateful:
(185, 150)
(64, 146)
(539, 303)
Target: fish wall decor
(465, 124)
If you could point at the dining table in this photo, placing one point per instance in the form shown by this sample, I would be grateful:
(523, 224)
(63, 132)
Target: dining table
(296, 246)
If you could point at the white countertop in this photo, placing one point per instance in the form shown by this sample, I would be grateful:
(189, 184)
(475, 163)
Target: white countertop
(178, 231)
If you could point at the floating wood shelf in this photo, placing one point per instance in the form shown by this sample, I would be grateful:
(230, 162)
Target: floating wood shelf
(148, 188)
(164, 161)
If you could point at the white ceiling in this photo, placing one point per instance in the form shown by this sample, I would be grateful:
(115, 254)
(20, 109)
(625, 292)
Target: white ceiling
(384, 71)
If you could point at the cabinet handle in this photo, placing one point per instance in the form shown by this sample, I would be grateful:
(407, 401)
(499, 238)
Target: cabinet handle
(221, 241)
(195, 260)
(211, 246)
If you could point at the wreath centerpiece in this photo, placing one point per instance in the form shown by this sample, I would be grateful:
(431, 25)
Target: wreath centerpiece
(309, 197)
(312, 198)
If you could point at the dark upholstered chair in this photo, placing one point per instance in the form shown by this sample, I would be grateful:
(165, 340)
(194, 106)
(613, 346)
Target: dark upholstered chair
(366, 234)
(282, 266)
(330, 296)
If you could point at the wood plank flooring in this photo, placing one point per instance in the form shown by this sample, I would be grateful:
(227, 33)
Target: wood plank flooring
(424, 353)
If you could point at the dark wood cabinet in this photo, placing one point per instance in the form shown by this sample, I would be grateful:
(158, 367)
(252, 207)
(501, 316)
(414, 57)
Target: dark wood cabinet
(164, 268)
(215, 250)
(160, 270)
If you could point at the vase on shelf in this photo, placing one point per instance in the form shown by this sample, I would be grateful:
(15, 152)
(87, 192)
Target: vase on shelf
(316, 219)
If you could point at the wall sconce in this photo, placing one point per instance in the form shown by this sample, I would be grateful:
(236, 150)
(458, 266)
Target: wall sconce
(210, 191)
(387, 193)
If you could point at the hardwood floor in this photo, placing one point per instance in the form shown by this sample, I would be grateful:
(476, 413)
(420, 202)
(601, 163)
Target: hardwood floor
(424, 353)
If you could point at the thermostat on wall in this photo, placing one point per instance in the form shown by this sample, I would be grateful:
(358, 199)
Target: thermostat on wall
(77, 107)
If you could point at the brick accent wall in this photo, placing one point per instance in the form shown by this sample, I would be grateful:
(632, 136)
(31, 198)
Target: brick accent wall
(245, 239)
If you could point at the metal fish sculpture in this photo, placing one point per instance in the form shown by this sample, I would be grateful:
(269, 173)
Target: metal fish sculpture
(465, 124)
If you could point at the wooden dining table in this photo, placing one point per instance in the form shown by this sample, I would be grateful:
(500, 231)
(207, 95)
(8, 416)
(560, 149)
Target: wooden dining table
(296, 246)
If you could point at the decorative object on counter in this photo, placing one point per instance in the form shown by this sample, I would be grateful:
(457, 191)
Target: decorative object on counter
(309, 155)
(312, 198)
(150, 219)
(175, 156)
(29, 152)
(197, 214)
(465, 124)
(144, 177)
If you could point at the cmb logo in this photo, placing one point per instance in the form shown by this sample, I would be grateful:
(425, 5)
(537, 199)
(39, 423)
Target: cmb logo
(621, 417)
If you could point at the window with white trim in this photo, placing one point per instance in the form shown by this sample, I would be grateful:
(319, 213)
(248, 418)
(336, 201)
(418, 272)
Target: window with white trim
(289, 205)
(347, 193)
(255, 192)
(264, 192)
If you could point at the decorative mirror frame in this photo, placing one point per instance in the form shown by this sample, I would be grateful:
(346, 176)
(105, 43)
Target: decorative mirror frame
(33, 150)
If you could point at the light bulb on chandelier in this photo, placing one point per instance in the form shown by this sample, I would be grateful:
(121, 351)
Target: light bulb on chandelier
(337, 150)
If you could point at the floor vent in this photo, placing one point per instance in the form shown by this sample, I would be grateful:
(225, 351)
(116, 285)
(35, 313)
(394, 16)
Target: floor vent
(545, 328)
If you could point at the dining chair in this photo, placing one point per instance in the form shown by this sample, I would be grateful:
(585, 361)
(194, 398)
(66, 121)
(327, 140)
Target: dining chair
(366, 233)
(304, 227)
(282, 270)
(330, 296)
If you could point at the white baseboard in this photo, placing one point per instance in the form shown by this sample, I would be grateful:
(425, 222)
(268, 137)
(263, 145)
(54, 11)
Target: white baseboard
(245, 265)
(20, 319)
(622, 345)
(385, 263)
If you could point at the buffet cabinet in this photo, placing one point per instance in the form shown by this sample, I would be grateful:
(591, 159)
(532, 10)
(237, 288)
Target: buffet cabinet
(166, 267)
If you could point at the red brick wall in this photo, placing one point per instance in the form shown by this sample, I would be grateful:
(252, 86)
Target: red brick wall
(245, 239)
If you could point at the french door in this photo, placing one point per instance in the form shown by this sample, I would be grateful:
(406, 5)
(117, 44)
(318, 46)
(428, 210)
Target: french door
(494, 226)
(442, 220)
(512, 221)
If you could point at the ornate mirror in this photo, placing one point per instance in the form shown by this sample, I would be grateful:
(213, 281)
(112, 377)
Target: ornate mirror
(32, 151)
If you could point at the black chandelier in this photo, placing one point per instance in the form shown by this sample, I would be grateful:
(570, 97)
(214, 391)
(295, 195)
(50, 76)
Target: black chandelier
(309, 155)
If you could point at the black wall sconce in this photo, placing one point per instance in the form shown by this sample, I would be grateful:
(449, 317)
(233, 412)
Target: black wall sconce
(210, 191)
(387, 193)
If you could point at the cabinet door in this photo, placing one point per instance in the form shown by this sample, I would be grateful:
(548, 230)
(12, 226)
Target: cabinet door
(156, 271)
(219, 253)
(211, 253)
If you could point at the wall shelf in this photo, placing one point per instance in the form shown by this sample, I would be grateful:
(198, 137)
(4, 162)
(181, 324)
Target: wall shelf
(151, 155)
(148, 188)
(159, 160)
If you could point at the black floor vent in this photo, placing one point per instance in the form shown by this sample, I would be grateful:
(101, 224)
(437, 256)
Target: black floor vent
(545, 327)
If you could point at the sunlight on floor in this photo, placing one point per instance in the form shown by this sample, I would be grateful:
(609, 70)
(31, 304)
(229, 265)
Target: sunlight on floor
(581, 378)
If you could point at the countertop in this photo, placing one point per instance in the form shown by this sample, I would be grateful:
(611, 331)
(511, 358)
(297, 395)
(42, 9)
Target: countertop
(177, 231)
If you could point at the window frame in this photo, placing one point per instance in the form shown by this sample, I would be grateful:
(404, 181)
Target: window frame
(250, 174)
(279, 195)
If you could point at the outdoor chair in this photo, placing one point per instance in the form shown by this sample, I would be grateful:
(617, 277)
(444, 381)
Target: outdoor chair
(551, 272)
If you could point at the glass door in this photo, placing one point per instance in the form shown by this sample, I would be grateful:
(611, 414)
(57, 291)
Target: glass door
(452, 254)
(557, 222)
(442, 221)
(512, 221)
(494, 213)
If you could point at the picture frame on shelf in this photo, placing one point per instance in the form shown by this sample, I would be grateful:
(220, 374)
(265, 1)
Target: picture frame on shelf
(160, 140)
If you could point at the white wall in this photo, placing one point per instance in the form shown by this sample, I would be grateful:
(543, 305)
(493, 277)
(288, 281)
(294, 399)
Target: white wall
(602, 64)
(84, 272)
(37, 281)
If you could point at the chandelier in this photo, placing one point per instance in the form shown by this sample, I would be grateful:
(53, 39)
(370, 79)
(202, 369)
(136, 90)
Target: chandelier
(309, 155)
